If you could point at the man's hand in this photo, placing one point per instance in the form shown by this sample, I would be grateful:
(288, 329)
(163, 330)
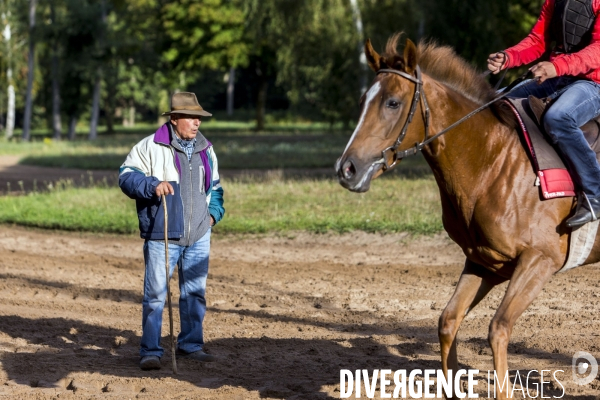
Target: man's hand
(212, 221)
(496, 61)
(164, 188)
(542, 71)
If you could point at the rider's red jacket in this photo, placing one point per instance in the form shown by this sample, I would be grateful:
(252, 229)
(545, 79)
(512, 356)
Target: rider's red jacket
(584, 63)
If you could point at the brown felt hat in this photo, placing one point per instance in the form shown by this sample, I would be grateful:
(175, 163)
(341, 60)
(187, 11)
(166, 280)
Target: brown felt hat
(186, 103)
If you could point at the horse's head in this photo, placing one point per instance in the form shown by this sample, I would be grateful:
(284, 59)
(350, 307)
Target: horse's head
(385, 111)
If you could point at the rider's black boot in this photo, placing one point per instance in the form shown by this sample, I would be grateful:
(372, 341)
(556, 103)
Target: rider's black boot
(587, 212)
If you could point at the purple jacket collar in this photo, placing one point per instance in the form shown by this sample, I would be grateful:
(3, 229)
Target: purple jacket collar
(163, 136)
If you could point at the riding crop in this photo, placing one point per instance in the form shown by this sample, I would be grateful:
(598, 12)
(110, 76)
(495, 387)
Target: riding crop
(173, 357)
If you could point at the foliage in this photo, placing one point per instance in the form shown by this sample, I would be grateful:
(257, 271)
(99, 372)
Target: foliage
(207, 34)
(148, 49)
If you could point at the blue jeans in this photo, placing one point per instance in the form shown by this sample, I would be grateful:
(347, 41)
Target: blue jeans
(575, 102)
(192, 263)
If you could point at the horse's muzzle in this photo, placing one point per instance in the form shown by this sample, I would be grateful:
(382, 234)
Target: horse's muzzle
(353, 177)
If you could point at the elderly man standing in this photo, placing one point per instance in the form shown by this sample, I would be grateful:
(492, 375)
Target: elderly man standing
(179, 162)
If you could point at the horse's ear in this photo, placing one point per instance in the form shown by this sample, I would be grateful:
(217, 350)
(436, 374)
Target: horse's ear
(373, 58)
(410, 57)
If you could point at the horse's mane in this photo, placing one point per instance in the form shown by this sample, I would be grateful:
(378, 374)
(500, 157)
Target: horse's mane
(444, 65)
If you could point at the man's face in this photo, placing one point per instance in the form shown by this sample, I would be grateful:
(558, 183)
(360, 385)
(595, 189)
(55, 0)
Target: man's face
(186, 126)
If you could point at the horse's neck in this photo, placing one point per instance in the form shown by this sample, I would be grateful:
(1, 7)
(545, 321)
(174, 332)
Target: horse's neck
(466, 153)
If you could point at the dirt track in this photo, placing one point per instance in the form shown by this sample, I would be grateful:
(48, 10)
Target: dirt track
(285, 314)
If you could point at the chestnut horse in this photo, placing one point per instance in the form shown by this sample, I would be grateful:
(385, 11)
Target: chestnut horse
(490, 205)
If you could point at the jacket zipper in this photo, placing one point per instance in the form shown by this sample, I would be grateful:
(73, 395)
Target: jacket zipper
(191, 200)
(180, 198)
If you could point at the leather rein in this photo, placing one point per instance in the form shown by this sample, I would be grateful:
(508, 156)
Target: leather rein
(419, 95)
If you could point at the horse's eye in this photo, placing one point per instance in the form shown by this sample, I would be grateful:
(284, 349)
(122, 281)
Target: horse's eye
(392, 104)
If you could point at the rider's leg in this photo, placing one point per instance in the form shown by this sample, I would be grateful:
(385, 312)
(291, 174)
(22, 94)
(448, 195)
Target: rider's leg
(550, 87)
(577, 104)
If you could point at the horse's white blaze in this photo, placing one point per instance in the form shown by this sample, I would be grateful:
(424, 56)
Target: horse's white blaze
(371, 94)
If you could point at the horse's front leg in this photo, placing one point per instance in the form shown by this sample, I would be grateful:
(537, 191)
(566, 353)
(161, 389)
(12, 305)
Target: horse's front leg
(533, 271)
(474, 284)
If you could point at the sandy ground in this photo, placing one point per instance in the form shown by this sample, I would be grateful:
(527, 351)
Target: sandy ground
(286, 313)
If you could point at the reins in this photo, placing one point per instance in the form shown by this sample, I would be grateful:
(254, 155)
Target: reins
(419, 95)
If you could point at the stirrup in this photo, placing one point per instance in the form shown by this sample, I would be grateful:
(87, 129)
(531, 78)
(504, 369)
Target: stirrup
(594, 217)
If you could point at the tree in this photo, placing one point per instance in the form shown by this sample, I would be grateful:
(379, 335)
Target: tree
(31, 63)
(7, 34)
(356, 16)
(317, 61)
(56, 120)
(207, 35)
(98, 79)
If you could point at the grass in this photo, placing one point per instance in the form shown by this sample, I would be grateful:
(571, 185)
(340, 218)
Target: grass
(392, 205)
(91, 210)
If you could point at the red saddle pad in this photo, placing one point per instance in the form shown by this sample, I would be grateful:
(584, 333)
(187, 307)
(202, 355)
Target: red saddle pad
(555, 180)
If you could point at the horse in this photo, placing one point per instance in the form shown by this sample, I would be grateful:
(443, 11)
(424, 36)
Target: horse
(490, 205)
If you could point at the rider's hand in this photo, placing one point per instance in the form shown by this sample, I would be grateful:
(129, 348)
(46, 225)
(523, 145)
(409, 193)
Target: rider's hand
(496, 61)
(542, 71)
(164, 188)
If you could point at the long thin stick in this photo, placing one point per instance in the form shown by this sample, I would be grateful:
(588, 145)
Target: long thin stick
(173, 357)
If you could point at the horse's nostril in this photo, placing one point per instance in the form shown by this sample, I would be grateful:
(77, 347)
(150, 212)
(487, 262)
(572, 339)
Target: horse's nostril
(348, 169)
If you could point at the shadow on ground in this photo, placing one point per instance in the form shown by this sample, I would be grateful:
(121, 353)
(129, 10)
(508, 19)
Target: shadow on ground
(277, 368)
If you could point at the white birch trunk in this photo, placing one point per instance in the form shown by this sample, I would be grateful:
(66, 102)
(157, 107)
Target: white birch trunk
(10, 110)
(362, 59)
(10, 106)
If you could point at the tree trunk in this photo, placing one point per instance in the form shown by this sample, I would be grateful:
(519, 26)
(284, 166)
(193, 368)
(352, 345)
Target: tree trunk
(261, 102)
(125, 116)
(72, 127)
(10, 106)
(132, 114)
(362, 59)
(230, 91)
(95, 107)
(29, 96)
(10, 109)
(111, 94)
(56, 123)
(97, 85)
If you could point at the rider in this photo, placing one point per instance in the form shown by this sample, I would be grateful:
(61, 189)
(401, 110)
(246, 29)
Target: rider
(571, 79)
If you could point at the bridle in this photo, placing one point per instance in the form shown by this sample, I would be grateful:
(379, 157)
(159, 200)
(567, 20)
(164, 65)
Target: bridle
(419, 95)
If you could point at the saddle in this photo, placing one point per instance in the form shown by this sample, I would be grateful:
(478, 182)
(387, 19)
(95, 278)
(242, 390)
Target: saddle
(553, 177)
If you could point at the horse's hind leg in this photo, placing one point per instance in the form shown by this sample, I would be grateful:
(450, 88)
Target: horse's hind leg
(474, 284)
(533, 271)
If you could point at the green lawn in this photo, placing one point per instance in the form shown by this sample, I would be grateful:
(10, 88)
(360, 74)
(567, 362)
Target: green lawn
(392, 205)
